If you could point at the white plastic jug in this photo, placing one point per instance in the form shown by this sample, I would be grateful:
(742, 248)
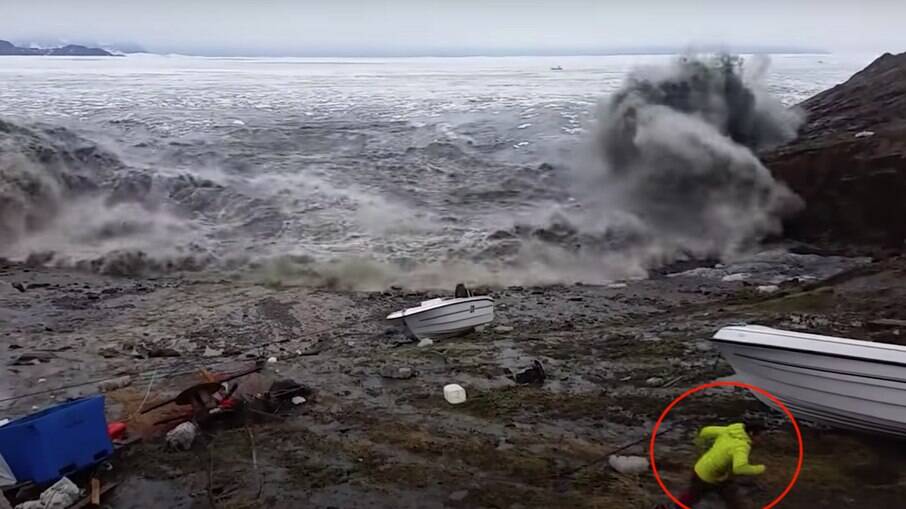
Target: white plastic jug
(454, 394)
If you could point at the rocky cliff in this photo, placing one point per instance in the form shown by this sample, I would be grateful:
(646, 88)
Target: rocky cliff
(71, 50)
(849, 161)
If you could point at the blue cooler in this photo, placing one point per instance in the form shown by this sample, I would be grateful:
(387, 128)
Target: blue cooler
(57, 441)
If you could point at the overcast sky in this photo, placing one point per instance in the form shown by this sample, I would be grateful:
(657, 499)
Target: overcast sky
(364, 27)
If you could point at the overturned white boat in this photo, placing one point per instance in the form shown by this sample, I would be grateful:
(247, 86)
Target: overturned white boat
(446, 317)
(840, 382)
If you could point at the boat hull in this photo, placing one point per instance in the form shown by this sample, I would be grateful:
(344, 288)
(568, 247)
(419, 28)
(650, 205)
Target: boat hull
(839, 382)
(446, 318)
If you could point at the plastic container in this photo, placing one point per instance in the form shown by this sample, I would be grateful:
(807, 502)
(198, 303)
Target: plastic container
(454, 394)
(57, 441)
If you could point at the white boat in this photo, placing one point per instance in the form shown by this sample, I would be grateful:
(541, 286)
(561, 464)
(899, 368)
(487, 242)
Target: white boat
(438, 318)
(840, 382)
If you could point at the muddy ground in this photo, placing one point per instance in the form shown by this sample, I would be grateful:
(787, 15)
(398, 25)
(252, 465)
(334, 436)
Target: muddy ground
(615, 357)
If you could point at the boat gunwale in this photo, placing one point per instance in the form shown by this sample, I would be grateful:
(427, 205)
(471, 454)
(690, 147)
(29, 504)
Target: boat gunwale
(417, 310)
(813, 343)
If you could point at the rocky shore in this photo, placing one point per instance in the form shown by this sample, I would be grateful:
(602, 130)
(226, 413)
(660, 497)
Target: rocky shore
(614, 356)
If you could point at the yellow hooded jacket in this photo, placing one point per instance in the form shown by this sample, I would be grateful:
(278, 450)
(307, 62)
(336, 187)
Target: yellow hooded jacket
(728, 454)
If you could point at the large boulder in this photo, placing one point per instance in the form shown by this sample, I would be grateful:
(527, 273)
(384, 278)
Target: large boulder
(849, 161)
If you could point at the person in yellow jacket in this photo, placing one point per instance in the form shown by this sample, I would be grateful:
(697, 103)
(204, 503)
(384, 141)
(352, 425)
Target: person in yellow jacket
(727, 457)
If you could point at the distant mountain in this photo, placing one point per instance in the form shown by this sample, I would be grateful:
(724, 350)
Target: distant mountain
(70, 50)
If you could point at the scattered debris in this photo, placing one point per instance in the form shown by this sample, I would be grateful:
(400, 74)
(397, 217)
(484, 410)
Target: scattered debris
(629, 465)
(298, 400)
(767, 288)
(182, 436)
(501, 329)
(864, 134)
(115, 383)
(531, 375)
(739, 276)
(454, 394)
(616, 286)
(271, 360)
(655, 381)
(397, 373)
(94, 499)
(425, 342)
(60, 495)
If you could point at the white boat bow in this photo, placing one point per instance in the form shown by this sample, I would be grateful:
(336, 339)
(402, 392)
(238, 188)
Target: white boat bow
(837, 381)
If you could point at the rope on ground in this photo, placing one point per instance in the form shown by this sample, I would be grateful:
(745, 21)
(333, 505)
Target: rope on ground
(144, 400)
(607, 456)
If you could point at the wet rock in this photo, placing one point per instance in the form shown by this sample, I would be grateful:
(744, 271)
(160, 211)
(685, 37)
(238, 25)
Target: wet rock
(163, 352)
(767, 288)
(501, 235)
(425, 342)
(459, 496)
(109, 351)
(211, 352)
(887, 323)
(182, 436)
(629, 465)
(397, 373)
(32, 358)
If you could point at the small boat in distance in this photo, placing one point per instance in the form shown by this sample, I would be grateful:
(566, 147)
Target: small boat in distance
(840, 382)
(446, 317)
(556, 68)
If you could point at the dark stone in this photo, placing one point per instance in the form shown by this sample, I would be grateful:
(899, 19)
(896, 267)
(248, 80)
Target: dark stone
(30, 358)
(163, 352)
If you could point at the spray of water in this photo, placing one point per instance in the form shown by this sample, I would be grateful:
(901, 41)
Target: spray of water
(677, 159)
